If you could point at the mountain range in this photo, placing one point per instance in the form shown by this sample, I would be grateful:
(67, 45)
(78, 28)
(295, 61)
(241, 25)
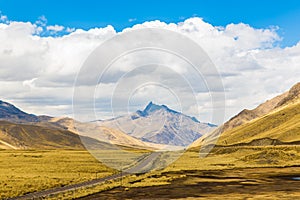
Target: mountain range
(152, 128)
(274, 122)
(20, 130)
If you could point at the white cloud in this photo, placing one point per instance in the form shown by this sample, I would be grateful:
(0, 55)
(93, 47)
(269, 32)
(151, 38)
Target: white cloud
(55, 28)
(30, 83)
(36, 70)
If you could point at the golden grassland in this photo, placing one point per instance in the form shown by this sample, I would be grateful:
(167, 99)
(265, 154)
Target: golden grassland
(238, 157)
(25, 171)
(183, 170)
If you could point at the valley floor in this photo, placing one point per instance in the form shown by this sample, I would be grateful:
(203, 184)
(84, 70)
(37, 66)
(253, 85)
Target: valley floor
(249, 172)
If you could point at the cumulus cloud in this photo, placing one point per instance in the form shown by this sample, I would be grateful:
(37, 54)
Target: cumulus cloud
(38, 72)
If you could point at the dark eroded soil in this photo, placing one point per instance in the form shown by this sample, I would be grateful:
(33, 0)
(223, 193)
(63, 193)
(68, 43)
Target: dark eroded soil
(258, 183)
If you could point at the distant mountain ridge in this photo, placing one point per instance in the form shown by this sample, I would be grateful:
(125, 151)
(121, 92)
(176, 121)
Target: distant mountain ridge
(20, 130)
(161, 125)
(11, 113)
(153, 127)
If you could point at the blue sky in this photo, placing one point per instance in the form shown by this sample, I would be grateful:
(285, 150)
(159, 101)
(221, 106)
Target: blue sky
(87, 14)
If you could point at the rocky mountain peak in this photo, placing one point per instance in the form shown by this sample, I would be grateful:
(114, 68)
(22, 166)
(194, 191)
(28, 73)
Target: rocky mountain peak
(161, 125)
(152, 107)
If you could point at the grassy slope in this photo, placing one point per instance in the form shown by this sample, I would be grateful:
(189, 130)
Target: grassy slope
(267, 107)
(283, 126)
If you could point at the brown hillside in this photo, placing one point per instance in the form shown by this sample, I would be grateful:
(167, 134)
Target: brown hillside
(26, 136)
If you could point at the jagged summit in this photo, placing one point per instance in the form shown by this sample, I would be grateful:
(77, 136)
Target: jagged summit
(151, 107)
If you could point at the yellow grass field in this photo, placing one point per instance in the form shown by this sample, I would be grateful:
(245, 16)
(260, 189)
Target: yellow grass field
(24, 171)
